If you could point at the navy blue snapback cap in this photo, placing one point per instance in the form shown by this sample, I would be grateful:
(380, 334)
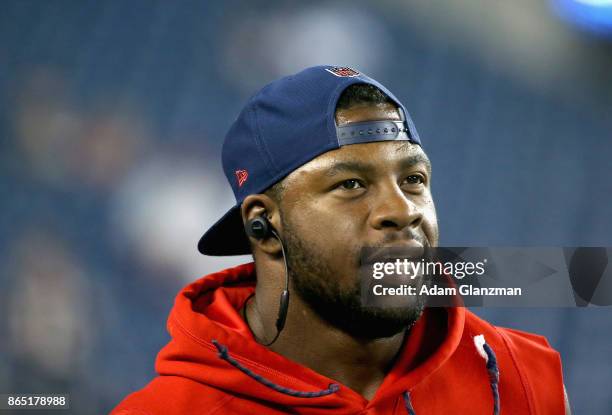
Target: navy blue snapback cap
(282, 127)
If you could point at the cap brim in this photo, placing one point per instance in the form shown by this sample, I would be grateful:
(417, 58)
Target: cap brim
(226, 236)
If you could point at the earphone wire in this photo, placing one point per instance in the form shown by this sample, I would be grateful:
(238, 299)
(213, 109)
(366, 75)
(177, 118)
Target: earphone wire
(284, 305)
(284, 258)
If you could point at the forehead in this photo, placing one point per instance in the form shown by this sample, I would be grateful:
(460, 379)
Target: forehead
(381, 156)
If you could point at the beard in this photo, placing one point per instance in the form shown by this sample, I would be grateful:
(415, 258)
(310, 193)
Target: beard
(340, 304)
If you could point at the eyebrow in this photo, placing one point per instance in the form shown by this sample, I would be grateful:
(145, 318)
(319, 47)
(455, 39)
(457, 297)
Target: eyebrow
(354, 165)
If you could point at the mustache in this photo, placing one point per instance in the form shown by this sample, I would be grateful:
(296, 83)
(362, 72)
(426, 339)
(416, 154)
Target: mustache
(395, 238)
(391, 246)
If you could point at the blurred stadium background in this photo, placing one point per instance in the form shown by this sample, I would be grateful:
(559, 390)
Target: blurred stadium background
(112, 116)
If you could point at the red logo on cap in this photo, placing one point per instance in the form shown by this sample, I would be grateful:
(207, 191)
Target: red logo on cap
(342, 71)
(241, 177)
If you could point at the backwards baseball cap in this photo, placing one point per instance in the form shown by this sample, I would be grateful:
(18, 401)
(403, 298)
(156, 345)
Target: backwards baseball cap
(283, 126)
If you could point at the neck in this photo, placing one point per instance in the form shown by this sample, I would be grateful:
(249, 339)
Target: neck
(360, 364)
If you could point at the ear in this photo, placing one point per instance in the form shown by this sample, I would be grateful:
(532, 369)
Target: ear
(262, 205)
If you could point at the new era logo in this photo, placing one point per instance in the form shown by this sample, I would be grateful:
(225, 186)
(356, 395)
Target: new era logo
(344, 71)
(241, 177)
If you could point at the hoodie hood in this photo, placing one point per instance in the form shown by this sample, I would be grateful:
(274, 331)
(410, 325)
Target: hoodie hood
(206, 329)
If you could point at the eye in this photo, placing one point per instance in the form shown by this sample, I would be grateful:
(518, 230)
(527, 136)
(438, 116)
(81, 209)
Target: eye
(415, 179)
(351, 184)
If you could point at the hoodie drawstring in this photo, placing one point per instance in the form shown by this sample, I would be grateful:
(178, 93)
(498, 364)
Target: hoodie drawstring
(489, 355)
(408, 404)
(482, 347)
(493, 376)
(223, 354)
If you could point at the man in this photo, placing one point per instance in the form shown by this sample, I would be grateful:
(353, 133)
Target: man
(323, 164)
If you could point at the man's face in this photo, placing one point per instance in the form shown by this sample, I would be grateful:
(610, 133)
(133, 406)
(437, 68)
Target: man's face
(361, 195)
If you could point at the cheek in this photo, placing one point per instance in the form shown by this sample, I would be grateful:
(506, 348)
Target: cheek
(325, 222)
(332, 237)
(430, 222)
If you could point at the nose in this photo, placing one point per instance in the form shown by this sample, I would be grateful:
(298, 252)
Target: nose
(393, 210)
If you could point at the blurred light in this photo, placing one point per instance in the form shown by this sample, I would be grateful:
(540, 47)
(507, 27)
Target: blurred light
(520, 39)
(594, 16)
(597, 3)
(50, 316)
(161, 210)
(260, 48)
(67, 146)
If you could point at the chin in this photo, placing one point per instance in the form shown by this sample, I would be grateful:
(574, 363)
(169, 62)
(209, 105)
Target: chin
(348, 314)
(376, 322)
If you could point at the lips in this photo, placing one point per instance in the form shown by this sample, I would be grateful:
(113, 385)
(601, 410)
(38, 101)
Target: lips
(412, 250)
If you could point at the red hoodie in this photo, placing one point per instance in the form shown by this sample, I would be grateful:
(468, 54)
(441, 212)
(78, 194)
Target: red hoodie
(213, 365)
